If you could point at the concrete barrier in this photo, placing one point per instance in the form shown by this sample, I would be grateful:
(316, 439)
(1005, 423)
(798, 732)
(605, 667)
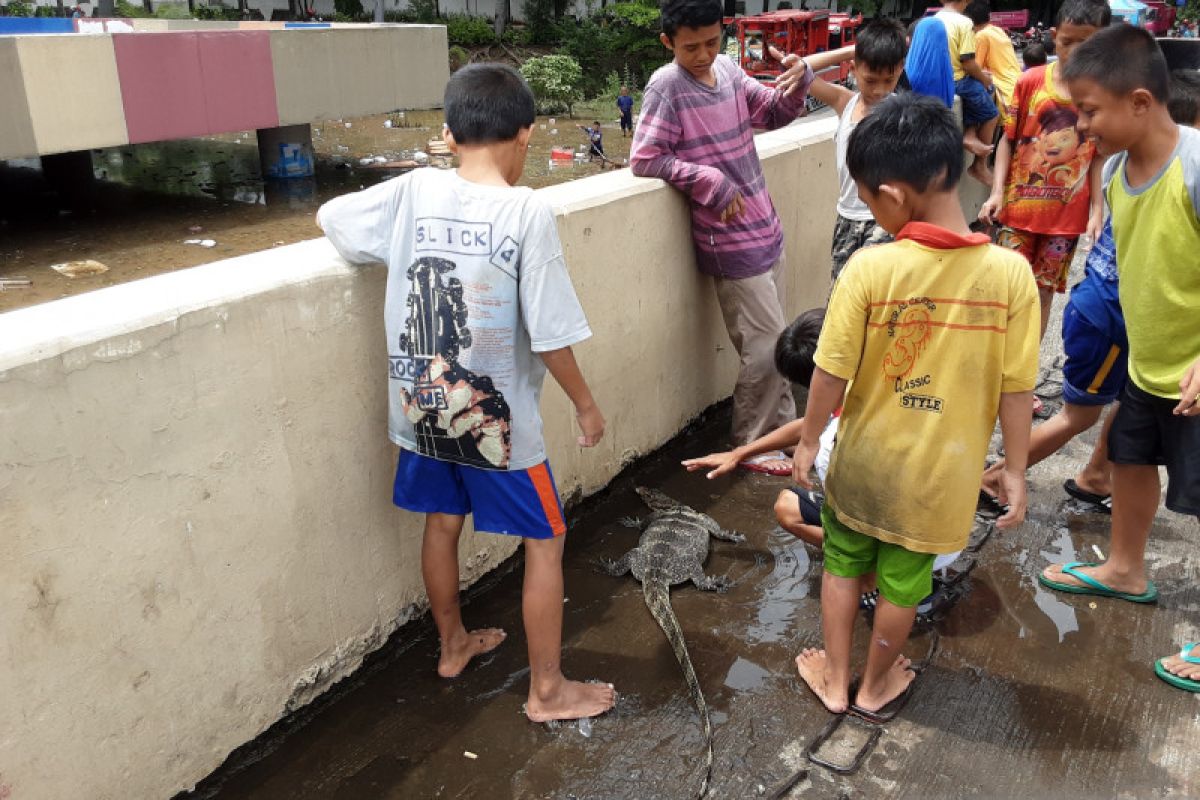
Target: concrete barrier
(196, 534)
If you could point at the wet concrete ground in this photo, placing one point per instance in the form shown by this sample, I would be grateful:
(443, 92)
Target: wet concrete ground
(1033, 694)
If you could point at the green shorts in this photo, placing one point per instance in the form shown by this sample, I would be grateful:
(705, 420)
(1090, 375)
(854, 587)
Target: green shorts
(903, 577)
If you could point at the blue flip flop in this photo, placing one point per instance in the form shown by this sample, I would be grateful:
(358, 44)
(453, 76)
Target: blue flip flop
(1095, 587)
(1187, 684)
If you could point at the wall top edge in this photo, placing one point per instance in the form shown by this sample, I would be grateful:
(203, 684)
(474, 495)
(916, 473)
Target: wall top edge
(48, 330)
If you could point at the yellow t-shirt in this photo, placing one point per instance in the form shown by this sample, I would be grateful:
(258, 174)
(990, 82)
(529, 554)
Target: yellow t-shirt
(960, 35)
(994, 52)
(1157, 231)
(930, 331)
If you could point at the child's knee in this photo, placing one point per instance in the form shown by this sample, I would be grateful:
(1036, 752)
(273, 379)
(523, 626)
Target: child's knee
(787, 508)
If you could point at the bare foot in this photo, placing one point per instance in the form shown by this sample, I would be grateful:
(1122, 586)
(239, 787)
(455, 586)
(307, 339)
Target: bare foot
(1182, 669)
(895, 681)
(811, 666)
(571, 700)
(974, 146)
(1130, 584)
(456, 653)
(980, 172)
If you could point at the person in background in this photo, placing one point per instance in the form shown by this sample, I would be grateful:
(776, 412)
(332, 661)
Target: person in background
(995, 53)
(927, 68)
(1034, 55)
(625, 104)
(972, 85)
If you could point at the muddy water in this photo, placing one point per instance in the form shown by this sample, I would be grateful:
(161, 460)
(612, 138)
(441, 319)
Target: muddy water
(1029, 696)
(149, 199)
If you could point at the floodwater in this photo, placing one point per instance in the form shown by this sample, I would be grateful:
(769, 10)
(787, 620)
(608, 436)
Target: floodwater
(1030, 694)
(149, 200)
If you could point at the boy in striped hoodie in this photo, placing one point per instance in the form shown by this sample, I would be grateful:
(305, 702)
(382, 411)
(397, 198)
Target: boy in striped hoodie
(696, 132)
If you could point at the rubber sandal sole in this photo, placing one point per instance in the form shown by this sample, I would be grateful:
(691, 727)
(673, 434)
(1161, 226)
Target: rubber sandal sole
(1101, 501)
(1149, 596)
(1187, 684)
(890, 710)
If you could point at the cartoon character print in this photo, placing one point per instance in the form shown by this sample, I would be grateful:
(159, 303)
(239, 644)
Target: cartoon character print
(910, 327)
(456, 413)
(1052, 165)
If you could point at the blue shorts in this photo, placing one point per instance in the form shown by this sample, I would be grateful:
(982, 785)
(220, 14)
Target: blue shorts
(515, 502)
(977, 104)
(1096, 367)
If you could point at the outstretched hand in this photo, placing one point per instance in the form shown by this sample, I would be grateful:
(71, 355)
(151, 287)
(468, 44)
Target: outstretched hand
(1012, 493)
(802, 462)
(718, 464)
(1189, 388)
(795, 70)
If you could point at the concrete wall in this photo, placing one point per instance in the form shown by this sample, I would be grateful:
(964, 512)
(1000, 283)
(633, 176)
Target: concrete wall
(195, 528)
(152, 86)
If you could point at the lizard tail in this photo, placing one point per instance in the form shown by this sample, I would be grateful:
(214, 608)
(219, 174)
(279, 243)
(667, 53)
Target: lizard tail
(658, 600)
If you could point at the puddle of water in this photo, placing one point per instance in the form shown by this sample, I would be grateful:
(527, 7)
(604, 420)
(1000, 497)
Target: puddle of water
(746, 676)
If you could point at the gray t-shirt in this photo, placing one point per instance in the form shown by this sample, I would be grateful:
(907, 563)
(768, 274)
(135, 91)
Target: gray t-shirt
(476, 287)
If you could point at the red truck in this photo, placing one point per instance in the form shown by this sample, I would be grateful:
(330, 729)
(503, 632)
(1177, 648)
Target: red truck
(1159, 17)
(792, 31)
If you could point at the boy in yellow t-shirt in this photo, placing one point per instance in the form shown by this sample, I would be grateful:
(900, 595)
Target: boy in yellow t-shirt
(1120, 83)
(995, 54)
(934, 335)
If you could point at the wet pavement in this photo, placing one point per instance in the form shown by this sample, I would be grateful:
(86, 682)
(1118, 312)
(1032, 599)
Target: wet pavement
(1031, 694)
(148, 200)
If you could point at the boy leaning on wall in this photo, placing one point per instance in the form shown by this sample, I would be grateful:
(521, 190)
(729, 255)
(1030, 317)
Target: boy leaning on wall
(479, 306)
(696, 132)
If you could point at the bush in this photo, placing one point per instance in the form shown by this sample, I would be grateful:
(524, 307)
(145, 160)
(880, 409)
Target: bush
(515, 37)
(539, 21)
(172, 11)
(556, 82)
(458, 58)
(45, 11)
(349, 8)
(466, 31)
(423, 10)
(622, 38)
(124, 8)
(18, 8)
(217, 11)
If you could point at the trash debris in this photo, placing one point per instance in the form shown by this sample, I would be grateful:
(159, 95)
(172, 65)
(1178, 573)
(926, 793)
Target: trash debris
(585, 727)
(420, 157)
(1098, 553)
(349, 124)
(195, 229)
(387, 123)
(362, 162)
(17, 282)
(554, 131)
(553, 121)
(200, 242)
(78, 269)
(380, 159)
(470, 755)
(1092, 604)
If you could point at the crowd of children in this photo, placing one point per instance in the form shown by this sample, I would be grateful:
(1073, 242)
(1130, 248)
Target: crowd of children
(931, 332)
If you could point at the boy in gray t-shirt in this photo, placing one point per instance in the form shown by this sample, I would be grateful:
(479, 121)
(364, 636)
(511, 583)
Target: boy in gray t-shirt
(479, 306)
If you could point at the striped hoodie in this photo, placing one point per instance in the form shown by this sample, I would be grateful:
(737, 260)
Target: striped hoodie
(700, 139)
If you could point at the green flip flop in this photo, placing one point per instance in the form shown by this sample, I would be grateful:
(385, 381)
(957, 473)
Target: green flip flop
(1095, 587)
(1187, 684)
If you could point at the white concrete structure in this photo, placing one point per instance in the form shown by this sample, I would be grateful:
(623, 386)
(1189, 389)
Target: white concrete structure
(196, 534)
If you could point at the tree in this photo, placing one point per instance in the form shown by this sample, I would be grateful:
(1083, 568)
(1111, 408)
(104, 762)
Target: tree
(556, 82)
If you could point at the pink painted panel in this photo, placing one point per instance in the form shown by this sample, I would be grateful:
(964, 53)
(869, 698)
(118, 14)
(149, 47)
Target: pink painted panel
(239, 80)
(161, 87)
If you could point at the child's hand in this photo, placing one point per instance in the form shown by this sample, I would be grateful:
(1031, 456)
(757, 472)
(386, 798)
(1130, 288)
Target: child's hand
(802, 461)
(795, 70)
(591, 422)
(1189, 386)
(717, 463)
(1013, 494)
(1095, 224)
(734, 209)
(990, 208)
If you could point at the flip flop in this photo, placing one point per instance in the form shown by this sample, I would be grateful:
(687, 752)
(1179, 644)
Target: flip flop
(1094, 586)
(989, 506)
(889, 711)
(1101, 501)
(758, 464)
(1187, 684)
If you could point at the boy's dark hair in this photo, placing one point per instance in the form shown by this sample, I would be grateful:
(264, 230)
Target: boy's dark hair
(1121, 59)
(487, 103)
(922, 129)
(797, 345)
(1034, 55)
(979, 11)
(881, 45)
(678, 14)
(1095, 13)
(1184, 104)
(1058, 118)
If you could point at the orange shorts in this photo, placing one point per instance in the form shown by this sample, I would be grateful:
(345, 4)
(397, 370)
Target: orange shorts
(1050, 256)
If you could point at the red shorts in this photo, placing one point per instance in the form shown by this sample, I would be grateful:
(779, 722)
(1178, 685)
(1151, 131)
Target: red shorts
(1049, 255)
